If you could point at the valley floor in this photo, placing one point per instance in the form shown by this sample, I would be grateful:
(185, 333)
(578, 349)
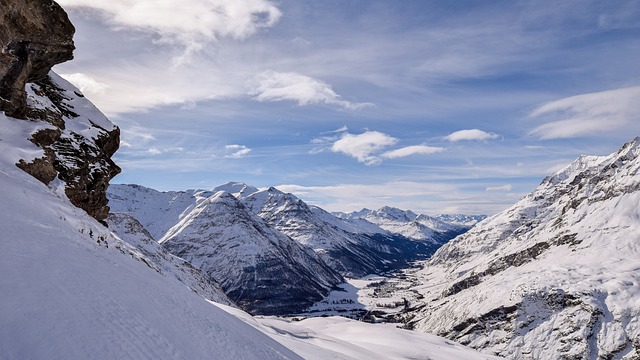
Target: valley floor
(373, 298)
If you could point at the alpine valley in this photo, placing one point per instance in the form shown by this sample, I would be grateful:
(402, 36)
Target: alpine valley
(93, 270)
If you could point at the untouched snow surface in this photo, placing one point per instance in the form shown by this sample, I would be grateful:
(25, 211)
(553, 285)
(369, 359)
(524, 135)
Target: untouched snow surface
(71, 290)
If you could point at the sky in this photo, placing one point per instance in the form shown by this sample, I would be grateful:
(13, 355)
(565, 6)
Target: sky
(434, 106)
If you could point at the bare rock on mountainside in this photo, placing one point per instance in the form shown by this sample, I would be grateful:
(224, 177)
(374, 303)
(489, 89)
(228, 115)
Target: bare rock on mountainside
(555, 276)
(35, 35)
(78, 141)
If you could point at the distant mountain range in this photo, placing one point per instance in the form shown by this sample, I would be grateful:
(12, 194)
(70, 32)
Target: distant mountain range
(271, 252)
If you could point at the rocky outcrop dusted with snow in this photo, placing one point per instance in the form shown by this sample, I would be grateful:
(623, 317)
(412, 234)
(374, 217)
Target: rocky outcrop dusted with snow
(555, 276)
(77, 140)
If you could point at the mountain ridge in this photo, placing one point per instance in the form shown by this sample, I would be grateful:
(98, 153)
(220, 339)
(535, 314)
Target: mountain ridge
(560, 267)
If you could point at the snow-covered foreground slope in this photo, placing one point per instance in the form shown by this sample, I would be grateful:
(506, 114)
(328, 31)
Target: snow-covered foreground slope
(340, 338)
(557, 275)
(131, 231)
(70, 289)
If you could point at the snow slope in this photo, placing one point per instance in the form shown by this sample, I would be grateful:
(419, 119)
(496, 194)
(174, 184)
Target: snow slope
(341, 338)
(557, 275)
(72, 290)
(131, 231)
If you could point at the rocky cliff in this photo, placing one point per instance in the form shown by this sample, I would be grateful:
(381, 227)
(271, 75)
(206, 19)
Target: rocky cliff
(77, 140)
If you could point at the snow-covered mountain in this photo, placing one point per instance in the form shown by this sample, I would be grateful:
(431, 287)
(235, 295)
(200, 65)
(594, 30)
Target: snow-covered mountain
(262, 270)
(354, 248)
(461, 219)
(554, 276)
(419, 227)
(259, 268)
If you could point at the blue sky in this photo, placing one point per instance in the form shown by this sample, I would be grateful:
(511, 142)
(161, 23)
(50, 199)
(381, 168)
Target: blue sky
(434, 106)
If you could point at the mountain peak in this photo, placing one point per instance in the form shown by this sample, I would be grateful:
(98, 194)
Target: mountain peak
(393, 213)
(238, 189)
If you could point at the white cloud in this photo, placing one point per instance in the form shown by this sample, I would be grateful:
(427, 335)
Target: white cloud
(236, 151)
(588, 114)
(472, 134)
(340, 130)
(289, 86)
(161, 151)
(189, 22)
(365, 146)
(505, 188)
(411, 150)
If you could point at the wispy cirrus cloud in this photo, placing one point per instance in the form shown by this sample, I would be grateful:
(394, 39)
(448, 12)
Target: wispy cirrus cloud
(290, 86)
(504, 188)
(588, 114)
(194, 21)
(470, 135)
(411, 150)
(235, 151)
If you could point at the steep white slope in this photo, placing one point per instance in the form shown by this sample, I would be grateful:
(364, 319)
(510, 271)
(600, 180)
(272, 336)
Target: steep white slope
(157, 211)
(262, 270)
(72, 290)
(131, 231)
(557, 275)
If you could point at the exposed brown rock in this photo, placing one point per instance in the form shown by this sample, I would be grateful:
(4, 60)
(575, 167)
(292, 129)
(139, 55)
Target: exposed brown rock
(34, 36)
(84, 164)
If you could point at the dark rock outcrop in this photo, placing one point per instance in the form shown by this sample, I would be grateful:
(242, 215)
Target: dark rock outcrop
(78, 141)
(35, 35)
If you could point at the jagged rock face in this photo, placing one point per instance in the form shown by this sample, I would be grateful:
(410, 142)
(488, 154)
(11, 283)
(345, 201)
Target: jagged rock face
(78, 141)
(554, 276)
(35, 35)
